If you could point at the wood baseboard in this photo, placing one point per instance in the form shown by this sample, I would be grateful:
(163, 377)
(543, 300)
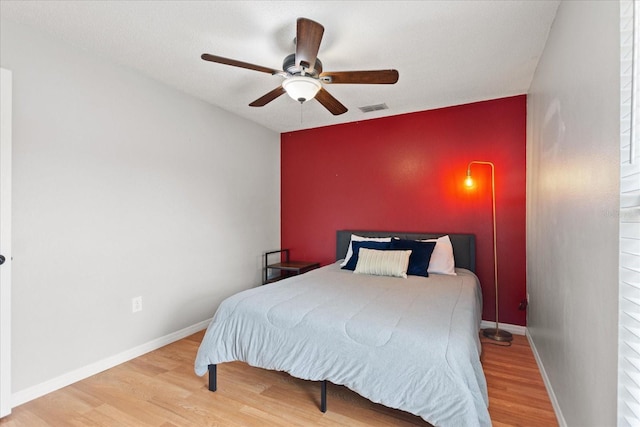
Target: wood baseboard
(514, 329)
(547, 383)
(38, 390)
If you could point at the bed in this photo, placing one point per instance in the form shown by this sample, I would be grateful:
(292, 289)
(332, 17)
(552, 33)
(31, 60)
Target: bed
(408, 343)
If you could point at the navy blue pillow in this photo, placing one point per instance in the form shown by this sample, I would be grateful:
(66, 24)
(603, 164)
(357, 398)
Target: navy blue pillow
(420, 255)
(367, 244)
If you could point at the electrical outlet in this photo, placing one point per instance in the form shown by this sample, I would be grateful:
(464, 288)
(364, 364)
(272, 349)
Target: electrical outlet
(523, 305)
(136, 304)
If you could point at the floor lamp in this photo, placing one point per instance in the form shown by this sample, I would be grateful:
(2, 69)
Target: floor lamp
(492, 333)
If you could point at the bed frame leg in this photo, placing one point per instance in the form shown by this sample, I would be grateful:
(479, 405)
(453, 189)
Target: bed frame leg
(213, 377)
(323, 396)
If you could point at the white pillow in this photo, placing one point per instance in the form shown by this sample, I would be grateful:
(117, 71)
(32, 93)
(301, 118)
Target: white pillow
(383, 263)
(442, 261)
(361, 239)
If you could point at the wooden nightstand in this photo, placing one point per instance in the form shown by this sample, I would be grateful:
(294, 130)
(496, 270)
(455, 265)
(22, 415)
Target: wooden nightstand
(285, 267)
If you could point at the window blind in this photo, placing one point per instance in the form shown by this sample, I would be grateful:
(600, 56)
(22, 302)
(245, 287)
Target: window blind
(629, 217)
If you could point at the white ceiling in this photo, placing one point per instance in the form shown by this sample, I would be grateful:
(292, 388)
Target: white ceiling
(447, 52)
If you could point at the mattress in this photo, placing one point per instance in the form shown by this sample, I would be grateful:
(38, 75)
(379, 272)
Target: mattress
(410, 344)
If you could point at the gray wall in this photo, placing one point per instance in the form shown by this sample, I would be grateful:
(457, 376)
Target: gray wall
(572, 225)
(124, 187)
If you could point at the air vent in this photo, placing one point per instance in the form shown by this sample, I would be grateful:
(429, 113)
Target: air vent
(376, 107)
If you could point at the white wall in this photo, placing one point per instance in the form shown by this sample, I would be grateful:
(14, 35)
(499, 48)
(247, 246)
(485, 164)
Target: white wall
(572, 229)
(124, 187)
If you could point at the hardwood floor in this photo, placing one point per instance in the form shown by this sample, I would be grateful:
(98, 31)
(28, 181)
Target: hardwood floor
(517, 395)
(160, 389)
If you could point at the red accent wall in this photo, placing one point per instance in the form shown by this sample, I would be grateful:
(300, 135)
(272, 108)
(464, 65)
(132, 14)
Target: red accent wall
(406, 173)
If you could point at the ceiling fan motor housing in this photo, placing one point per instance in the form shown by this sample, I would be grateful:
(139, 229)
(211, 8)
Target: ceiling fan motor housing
(289, 65)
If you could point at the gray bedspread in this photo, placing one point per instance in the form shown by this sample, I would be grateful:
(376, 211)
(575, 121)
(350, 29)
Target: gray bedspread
(410, 344)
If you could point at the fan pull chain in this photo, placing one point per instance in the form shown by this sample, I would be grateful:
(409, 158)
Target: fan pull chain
(301, 113)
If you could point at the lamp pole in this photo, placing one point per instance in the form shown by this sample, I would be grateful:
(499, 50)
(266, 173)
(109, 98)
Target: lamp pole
(494, 334)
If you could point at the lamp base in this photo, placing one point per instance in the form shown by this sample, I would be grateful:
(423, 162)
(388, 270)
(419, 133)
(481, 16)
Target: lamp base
(497, 334)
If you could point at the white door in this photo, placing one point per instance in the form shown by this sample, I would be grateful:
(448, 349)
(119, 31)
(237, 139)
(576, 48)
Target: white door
(5, 242)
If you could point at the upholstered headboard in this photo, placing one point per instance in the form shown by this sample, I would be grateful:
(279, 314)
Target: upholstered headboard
(464, 245)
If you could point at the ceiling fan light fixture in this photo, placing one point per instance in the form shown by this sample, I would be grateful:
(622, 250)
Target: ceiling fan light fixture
(301, 88)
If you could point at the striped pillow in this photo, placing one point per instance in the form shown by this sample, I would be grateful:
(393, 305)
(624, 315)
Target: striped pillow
(383, 263)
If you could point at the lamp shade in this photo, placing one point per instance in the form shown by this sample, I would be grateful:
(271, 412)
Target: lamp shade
(301, 88)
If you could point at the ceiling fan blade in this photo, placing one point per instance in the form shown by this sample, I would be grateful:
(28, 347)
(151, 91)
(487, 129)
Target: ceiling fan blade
(308, 37)
(265, 99)
(330, 103)
(388, 77)
(233, 62)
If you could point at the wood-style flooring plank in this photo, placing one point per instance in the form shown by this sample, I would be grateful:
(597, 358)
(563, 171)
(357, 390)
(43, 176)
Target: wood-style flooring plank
(160, 389)
(517, 395)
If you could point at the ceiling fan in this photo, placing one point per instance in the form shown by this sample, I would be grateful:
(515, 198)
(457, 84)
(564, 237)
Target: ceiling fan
(303, 75)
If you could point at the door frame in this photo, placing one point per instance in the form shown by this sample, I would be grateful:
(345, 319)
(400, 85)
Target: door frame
(5, 240)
